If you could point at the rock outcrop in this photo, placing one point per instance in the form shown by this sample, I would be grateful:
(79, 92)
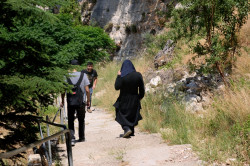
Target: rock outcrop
(86, 10)
(126, 21)
(193, 90)
(164, 56)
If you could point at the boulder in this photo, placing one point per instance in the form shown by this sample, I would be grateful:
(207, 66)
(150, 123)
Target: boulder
(170, 87)
(199, 99)
(193, 88)
(164, 56)
(148, 75)
(149, 89)
(191, 98)
(155, 82)
(179, 73)
(194, 106)
(167, 76)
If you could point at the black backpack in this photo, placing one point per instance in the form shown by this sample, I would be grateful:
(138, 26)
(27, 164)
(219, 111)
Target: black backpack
(76, 97)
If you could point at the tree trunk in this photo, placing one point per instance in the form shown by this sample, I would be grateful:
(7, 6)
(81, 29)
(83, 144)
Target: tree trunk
(221, 73)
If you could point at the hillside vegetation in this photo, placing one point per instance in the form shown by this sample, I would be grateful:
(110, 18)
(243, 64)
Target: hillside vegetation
(220, 134)
(37, 42)
(36, 47)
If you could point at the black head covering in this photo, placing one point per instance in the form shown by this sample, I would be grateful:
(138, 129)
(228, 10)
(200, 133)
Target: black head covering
(127, 67)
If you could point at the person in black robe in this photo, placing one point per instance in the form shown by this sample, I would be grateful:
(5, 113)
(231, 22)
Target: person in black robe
(131, 86)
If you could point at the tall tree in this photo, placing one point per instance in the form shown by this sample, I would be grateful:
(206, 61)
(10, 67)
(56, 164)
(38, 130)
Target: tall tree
(219, 22)
(35, 49)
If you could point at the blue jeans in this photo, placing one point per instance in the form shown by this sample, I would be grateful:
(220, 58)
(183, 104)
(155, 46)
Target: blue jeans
(85, 96)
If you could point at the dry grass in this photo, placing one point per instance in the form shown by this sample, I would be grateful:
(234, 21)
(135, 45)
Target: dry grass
(151, 113)
(236, 104)
(223, 132)
(106, 80)
(242, 65)
(244, 37)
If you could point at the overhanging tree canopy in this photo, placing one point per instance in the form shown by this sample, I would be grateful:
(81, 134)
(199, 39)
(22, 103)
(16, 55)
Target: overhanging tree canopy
(35, 50)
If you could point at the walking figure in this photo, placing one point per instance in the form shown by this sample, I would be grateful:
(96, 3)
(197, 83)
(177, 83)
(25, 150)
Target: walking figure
(131, 86)
(76, 103)
(92, 76)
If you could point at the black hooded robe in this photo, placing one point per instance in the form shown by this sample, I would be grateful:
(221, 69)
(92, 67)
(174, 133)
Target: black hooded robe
(128, 103)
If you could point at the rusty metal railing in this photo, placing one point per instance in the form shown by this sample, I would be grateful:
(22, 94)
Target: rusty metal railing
(64, 131)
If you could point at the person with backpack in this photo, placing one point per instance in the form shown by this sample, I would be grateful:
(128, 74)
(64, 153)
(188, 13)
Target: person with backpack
(76, 103)
(92, 76)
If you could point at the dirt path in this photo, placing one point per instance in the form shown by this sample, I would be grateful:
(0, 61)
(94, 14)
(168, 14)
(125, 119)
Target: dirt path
(103, 147)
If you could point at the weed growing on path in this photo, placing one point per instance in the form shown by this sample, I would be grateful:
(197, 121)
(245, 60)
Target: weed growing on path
(118, 154)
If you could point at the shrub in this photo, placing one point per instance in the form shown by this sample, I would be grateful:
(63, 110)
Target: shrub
(118, 27)
(127, 29)
(108, 27)
(134, 28)
(36, 48)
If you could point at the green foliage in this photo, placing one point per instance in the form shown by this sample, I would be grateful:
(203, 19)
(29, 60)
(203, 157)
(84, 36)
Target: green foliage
(134, 28)
(217, 135)
(50, 111)
(35, 50)
(108, 27)
(167, 116)
(155, 43)
(74, 9)
(218, 22)
(127, 29)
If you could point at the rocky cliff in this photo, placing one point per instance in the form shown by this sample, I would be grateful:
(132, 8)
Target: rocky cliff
(126, 21)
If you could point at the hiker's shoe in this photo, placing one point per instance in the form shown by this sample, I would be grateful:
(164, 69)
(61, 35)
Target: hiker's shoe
(81, 140)
(127, 134)
(73, 142)
(89, 110)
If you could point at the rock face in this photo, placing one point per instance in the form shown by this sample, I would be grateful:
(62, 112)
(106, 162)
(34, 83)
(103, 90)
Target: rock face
(164, 56)
(86, 10)
(126, 20)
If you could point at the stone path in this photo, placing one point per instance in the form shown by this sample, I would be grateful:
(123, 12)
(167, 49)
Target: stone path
(103, 147)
